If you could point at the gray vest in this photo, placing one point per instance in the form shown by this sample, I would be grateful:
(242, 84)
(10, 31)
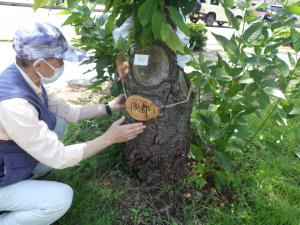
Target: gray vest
(15, 164)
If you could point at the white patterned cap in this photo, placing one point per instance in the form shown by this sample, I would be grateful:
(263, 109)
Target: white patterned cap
(43, 40)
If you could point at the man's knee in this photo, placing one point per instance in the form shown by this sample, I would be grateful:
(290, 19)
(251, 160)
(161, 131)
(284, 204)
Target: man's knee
(63, 198)
(59, 202)
(54, 202)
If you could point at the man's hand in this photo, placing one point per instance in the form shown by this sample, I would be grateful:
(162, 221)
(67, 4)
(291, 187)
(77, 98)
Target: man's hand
(122, 67)
(118, 133)
(118, 103)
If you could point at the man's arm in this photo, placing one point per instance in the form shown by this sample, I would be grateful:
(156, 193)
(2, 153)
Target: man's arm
(20, 120)
(74, 113)
(98, 110)
(94, 111)
(117, 133)
(21, 123)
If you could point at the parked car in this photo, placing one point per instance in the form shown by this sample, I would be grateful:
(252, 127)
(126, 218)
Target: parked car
(212, 11)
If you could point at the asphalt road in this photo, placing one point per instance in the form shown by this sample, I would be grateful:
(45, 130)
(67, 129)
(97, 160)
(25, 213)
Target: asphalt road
(226, 31)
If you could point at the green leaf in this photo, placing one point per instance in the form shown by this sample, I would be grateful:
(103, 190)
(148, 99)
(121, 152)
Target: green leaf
(173, 221)
(222, 160)
(259, 60)
(247, 81)
(186, 6)
(146, 10)
(224, 78)
(297, 66)
(263, 99)
(243, 131)
(75, 18)
(64, 12)
(296, 39)
(282, 33)
(146, 37)
(108, 5)
(292, 60)
(295, 111)
(292, 85)
(282, 115)
(166, 29)
(282, 67)
(157, 21)
(175, 43)
(262, 6)
(178, 20)
(221, 180)
(110, 24)
(38, 4)
(199, 181)
(72, 3)
(252, 30)
(200, 168)
(229, 45)
(213, 107)
(274, 92)
(233, 150)
(101, 64)
(196, 152)
(228, 3)
(116, 89)
(123, 44)
(231, 18)
(169, 36)
(295, 9)
(222, 74)
(297, 154)
(250, 16)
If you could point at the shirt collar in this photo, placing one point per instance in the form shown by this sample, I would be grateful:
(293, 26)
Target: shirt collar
(36, 89)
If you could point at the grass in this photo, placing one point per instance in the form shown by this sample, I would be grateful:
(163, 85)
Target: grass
(266, 186)
(267, 193)
(267, 181)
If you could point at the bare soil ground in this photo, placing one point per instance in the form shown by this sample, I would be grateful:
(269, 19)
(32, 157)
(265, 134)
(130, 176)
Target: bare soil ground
(76, 93)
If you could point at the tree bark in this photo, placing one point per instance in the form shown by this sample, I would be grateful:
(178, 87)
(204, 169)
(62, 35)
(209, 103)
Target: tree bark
(160, 153)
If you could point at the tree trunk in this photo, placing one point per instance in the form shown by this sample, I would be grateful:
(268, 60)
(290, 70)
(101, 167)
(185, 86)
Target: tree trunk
(160, 153)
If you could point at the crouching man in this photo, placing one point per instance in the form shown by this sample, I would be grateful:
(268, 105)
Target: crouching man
(32, 122)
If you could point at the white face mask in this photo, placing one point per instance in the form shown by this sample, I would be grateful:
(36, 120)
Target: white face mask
(57, 73)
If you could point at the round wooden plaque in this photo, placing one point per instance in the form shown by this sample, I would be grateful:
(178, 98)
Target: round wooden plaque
(142, 109)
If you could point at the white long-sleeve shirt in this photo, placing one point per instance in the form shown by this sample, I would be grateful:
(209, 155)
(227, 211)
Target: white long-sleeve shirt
(19, 122)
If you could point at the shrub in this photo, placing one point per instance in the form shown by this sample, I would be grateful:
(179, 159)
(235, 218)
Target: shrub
(198, 35)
